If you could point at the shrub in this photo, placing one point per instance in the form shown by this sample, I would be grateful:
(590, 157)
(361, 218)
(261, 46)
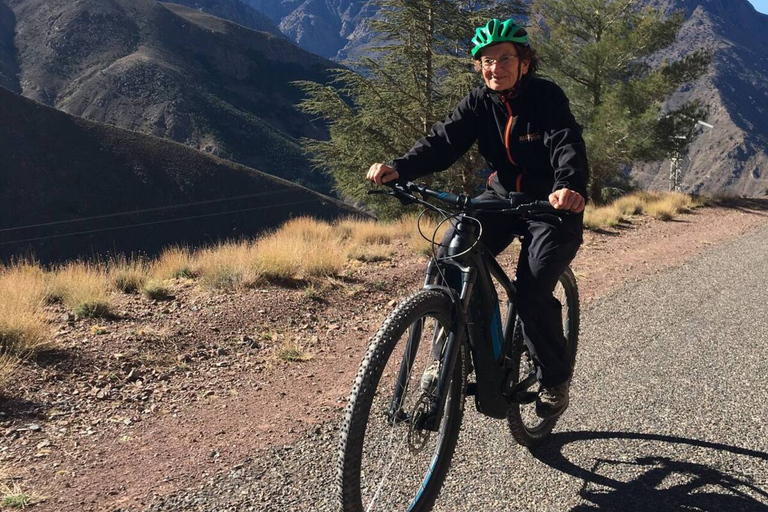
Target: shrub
(303, 247)
(128, 276)
(630, 205)
(82, 287)
(602, 217)
(370, 253)
(154, 290)
(23, 327)
(228, 266)
(172, 263)
(661, 210)
(367, 232)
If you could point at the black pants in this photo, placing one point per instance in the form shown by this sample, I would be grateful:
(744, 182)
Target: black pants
(547, 249)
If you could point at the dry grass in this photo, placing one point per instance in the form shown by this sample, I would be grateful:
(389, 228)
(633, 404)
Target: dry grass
(23, 327)
(659, 205)
(7, 365)
(291, 352)
(82, 287)
(302, 248)
(370, 253)
(13, 496)
(369, 232)
(410, 225)
(128, 276)
(172, 263)
(631, 204)
(601, 218)
(228, 266)
(155, 290)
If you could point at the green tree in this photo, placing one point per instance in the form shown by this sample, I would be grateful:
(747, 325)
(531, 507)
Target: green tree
(603, 54)
(421, 71)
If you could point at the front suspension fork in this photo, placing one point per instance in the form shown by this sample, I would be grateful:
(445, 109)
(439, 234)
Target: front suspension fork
(430, 420)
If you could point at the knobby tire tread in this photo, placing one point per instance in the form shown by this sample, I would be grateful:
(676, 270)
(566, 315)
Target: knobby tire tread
(356, 415)
(514, 420)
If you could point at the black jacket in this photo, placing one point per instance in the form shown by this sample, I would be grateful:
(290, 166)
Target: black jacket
(545, 149)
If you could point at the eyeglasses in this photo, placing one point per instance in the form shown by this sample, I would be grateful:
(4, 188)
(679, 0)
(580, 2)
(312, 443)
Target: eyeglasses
(503, 61)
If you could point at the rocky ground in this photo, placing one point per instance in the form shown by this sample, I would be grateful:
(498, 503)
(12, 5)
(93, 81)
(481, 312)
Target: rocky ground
(180, 394)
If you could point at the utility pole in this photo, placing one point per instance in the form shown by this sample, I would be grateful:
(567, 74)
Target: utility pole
(676, 166)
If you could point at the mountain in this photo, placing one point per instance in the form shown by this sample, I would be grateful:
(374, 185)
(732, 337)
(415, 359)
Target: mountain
(167, 70)
(83, 188)
(730, 159)
(8, 68)
(234, 10)
(334, 29)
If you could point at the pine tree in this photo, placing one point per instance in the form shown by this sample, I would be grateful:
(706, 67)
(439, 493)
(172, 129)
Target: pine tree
(602, 53)
(420, 72)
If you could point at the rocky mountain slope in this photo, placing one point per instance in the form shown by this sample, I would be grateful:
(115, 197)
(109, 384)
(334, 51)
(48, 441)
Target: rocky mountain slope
(234, 10)
(335, 29)
(731, 159)
(166, 70)
(85, 188)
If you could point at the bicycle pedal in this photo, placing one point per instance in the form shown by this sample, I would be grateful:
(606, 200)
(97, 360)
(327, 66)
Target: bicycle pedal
(472, 389)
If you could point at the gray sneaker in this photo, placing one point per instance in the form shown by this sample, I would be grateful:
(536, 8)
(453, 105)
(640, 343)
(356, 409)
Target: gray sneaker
(430, 376)
(553, 401)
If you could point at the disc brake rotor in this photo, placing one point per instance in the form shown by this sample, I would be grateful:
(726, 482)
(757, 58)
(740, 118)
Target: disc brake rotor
(418, 437)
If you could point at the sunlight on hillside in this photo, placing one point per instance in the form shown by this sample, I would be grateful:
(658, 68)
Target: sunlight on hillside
(302, 250)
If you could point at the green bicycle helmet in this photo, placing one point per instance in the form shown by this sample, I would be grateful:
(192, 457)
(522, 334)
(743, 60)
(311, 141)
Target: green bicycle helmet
(497, 31)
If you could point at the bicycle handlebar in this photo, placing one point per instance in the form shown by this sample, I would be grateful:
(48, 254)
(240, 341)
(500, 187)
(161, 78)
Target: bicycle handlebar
(515, 204)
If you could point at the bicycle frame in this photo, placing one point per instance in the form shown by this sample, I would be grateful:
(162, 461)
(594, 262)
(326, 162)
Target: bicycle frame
(477, 315)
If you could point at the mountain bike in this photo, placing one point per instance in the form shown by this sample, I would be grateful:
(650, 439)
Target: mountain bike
(400, 429)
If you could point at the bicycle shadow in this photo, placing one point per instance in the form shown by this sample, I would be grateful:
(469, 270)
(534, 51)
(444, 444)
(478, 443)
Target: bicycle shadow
(658, 483)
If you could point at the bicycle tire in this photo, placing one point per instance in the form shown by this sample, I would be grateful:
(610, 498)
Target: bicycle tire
(527, 429)
(359, 446)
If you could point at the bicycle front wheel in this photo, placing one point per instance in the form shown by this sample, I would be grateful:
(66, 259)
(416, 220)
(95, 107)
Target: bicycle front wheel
(387, 460)
(526, 427)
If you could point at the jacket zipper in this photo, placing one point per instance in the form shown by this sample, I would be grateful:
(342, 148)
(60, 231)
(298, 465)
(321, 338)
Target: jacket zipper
(511, 120)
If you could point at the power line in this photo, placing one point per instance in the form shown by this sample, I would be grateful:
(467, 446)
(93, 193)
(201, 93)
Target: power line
(156, 222)
(145, 210)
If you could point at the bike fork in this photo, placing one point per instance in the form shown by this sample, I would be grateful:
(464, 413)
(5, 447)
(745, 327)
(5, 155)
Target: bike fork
(431, 419)
(396, 413)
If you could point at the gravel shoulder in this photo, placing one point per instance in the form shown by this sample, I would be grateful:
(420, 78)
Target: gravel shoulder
(185, 395)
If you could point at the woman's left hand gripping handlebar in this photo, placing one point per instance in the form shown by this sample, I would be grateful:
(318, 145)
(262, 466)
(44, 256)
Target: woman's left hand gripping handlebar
(382, 173)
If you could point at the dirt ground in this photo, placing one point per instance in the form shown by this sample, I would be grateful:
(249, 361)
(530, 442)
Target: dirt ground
(169, 393)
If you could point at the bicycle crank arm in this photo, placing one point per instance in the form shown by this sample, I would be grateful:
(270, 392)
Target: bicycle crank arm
(519, 394)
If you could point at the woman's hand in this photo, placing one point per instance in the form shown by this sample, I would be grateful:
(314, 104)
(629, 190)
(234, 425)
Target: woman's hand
(381, 173)
(567, 199)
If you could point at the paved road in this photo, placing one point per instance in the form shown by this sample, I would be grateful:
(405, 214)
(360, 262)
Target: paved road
(668, 413)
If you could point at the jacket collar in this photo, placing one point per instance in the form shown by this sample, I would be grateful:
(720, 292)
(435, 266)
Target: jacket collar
(509, 94)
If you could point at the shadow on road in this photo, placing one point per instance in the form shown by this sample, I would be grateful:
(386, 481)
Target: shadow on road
(655, 482)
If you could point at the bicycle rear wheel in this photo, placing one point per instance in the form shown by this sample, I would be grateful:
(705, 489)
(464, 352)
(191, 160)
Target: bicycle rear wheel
(386, 461)
(526, 427)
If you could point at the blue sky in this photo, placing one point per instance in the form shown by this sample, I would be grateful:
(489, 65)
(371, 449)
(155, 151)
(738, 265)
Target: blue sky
(760, 5)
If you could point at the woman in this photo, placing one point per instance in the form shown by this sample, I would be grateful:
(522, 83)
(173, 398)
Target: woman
(530, 140)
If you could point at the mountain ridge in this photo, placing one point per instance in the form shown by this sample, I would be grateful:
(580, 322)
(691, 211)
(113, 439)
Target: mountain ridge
(76, 188)
(172, 71)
